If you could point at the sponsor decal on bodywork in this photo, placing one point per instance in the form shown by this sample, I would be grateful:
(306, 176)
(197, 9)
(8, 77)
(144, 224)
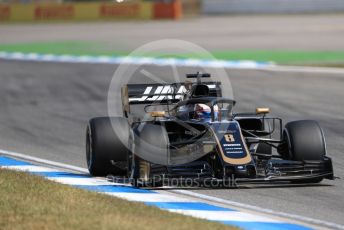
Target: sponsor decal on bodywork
(150, 93)
(230, 142)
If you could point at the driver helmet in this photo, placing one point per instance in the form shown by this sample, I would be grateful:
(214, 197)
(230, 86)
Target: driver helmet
(203, 112)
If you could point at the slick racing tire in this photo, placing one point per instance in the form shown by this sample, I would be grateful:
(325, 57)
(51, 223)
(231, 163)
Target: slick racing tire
(305, 142)
(106, 148)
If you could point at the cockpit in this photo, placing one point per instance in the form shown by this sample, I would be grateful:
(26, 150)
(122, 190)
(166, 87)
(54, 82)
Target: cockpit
(209, 109)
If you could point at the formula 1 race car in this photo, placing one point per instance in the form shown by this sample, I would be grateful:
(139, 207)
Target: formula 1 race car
(188, 132)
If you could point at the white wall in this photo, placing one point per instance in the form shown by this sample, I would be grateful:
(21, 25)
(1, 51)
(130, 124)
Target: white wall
(271, 6)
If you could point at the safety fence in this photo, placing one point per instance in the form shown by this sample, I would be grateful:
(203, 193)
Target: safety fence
(90, 11)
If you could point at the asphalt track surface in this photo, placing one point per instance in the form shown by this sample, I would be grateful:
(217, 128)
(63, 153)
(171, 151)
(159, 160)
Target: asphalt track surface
(45, 108)
(281, 32)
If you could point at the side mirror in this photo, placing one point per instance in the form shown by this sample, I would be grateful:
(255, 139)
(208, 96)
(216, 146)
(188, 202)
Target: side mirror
(262, 110)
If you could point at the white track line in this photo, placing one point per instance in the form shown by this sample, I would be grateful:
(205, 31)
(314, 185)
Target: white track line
(43, 161)
(131, 60)
(80, 181)
(225, 216)
(30, 168)
(303, 69)
(236, 64)
(259, 209)
(147, 197)
(185, 192)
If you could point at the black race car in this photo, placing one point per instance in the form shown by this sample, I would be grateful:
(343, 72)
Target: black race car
(187, 132)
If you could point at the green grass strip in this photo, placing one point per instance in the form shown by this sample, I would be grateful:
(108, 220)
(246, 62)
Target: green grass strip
(97, 49)
(30, 202)
(284, 57)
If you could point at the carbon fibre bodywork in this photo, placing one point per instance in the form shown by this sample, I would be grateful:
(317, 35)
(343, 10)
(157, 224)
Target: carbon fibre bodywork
(250, 147)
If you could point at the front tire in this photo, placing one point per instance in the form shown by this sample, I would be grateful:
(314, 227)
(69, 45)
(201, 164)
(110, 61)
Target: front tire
(103, 145)
(304, 141)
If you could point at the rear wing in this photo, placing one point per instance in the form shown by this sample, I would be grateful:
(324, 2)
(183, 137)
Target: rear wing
(144, 94)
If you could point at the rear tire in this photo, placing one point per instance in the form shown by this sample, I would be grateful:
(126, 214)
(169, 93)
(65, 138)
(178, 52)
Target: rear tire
(103, 145)
(304, 141)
